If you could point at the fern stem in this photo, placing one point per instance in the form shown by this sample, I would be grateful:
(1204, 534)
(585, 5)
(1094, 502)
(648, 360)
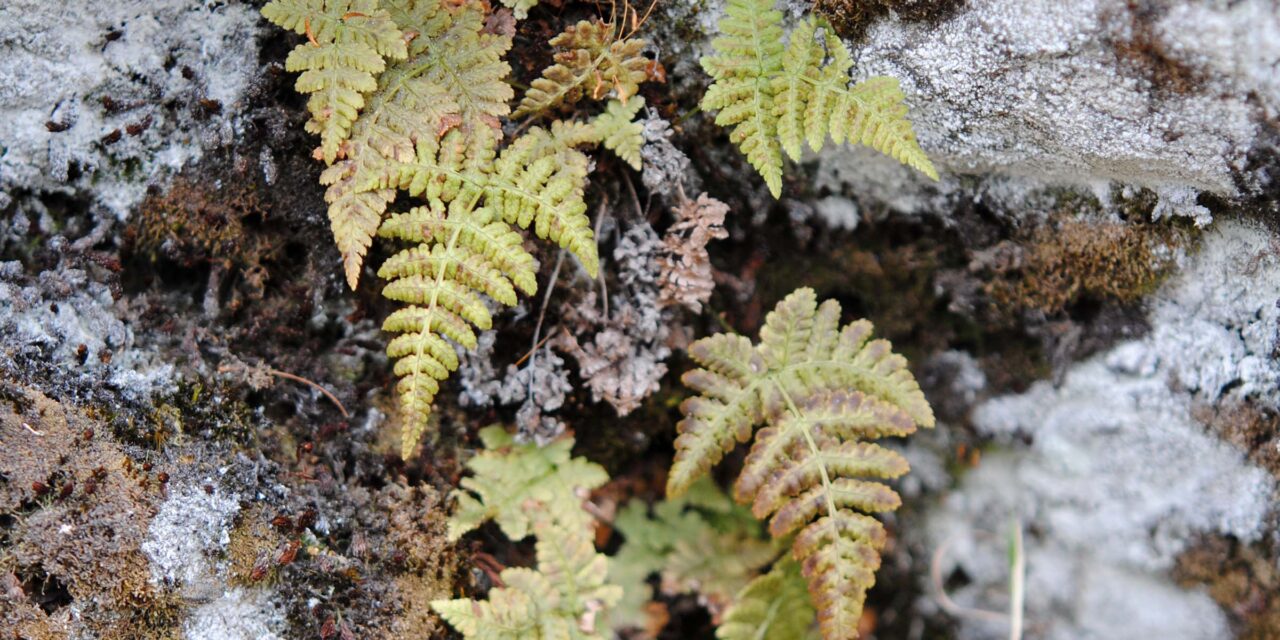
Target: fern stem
(813, 449)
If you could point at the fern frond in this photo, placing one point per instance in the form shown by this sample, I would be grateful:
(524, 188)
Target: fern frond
(700, 542)
(821, 391)
(348, 43)
(748, 58)
(558, 601)
(512, 482)
(778, 99)
(773, 606)
(526, 489)
(618, 131)
(466, 245)
(592, 62)
(450, 76)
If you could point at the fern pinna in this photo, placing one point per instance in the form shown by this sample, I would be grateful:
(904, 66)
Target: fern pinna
(777, 96)
(407, 97)
(821, 391)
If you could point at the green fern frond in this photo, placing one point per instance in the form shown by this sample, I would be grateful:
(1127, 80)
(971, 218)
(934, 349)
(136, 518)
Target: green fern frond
(511, 483)
(618, 131)
(821, 391)
(526, 489)
(778, 98)
(748, 58)
(592, 62)
(348, 43)
(774, 606)
(560, 600)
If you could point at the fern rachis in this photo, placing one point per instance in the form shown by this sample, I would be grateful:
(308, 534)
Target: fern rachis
(821, 391)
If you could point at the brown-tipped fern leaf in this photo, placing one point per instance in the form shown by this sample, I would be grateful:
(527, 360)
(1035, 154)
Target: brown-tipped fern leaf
(820, 391)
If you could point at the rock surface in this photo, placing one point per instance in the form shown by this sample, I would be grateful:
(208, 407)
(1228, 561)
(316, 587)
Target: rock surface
(1119, 433)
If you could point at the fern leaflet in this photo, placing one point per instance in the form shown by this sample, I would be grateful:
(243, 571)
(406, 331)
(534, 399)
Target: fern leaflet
(560, 600)
(348, 42)
(520, 8)
(509, 478)
(700, 542)
(618, 132)
(773, 606)
(778, 97)
(822, 391)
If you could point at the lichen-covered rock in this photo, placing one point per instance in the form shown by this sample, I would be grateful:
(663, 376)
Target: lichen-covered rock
(1111, 473)
(1013, 97)
(100, 98)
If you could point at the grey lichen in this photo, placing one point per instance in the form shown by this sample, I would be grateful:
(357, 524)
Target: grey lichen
(1112, 472)
(1043, 93)
(142, 87)
(188, 533)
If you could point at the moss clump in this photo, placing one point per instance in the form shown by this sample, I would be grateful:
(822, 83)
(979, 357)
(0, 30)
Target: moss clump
(75, 515)
(1242, 578)
(199, 220)
(1062, 264)
(252, 550)
(416, 533)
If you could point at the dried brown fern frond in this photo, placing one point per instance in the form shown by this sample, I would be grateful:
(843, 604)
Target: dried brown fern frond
(594, 61)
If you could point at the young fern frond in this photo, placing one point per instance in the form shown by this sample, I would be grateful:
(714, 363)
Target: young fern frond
(527, 489)
(821, 391)
(618, 131)
(559, 600)
(509, 478)
(592, 62)
(774, 606)
(779, 97)
(701, 542)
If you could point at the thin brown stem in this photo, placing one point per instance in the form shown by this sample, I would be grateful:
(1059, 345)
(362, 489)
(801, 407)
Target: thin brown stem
(296, 378)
